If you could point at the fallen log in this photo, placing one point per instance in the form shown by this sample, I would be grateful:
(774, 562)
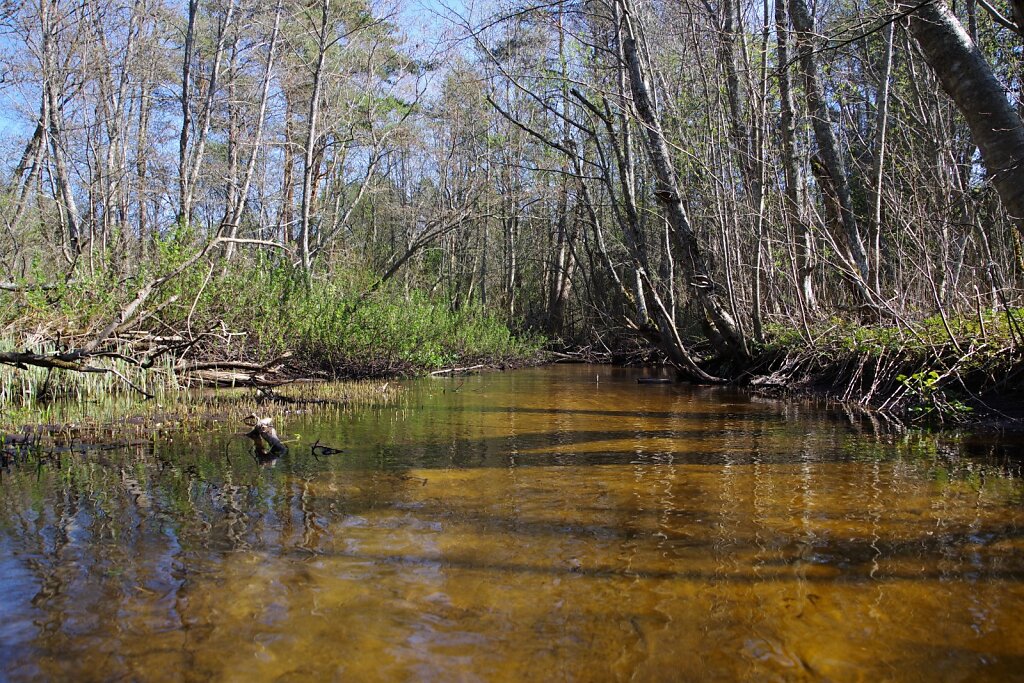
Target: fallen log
(58, 361)
(229, 373)
(74, 361)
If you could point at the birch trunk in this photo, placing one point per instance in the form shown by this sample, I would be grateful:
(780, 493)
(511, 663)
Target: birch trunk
(794, 201)
(234, 215)
(966, 77)
(55, 131)
(308, 172)
(878, 144)
(668, 193)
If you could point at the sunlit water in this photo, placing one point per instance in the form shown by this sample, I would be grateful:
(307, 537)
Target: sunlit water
(554, 524)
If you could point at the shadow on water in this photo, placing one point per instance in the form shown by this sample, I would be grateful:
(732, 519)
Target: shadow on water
(625, 447)
(688, 415)
(504, 569)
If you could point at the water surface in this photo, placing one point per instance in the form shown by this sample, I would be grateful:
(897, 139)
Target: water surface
(561, 523)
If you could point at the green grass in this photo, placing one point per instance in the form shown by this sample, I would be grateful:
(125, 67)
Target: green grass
(930, 371)
(123, 414)
(332, 327)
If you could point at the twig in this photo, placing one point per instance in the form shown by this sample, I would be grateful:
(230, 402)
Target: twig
(452, 371)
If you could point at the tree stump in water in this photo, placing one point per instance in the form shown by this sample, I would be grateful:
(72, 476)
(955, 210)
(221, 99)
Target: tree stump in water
(264, 436)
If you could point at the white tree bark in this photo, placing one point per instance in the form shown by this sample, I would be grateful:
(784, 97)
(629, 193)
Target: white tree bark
(668, 193)
(968, 79)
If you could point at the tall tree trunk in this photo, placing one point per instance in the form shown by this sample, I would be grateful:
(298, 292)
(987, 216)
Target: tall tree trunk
(967, 78)
(284, 221)
(142, 151)
(308, 171)
(29, 155)
(55, 128)
(234, 114)
(186, 111)
(668, 193)
(233, 216)
(746, 148)
(561, 264)
(828, 146)
(30, 162)
(794, 200)
(878, 149)
(745, 141)
(191, 160)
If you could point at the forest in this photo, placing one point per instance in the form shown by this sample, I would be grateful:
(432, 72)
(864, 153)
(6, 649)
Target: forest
(780, 193)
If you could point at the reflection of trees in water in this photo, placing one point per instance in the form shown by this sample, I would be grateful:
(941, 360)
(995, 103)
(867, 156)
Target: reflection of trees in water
(753, 508)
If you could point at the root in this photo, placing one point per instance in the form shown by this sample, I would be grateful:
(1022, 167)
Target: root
(939, 385)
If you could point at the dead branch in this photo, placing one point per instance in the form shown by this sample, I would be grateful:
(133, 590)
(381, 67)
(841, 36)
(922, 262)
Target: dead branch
(70, 361)
(15, 287)
(456, 371)
(318, 450)
(76, 360)
(269, 366)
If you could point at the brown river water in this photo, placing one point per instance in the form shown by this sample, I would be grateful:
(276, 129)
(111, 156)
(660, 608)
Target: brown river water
(553, 524)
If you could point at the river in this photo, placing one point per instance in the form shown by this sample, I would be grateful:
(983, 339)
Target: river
(553, 524)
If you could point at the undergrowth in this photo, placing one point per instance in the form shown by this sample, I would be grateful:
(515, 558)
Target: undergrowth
(251, 309)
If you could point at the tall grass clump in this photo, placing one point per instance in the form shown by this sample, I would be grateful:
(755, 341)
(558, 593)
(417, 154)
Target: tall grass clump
(333, 326)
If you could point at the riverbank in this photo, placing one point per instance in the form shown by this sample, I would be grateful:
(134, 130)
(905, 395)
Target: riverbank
(264, 327)
(934, 373)
(931, 373)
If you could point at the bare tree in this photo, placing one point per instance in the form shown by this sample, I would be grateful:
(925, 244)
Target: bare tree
(838, 185)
